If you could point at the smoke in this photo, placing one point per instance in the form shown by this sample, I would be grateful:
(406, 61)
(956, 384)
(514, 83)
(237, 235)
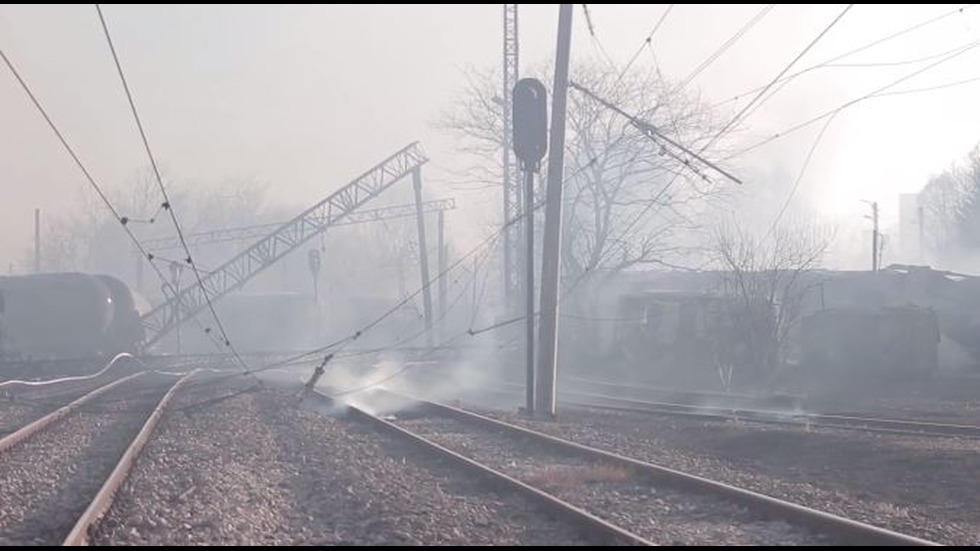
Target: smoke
(954, 357)
(379, 386)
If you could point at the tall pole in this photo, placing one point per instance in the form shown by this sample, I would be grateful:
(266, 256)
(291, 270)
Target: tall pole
(529, 287)
(37, 241)
(551, 265)
(442, 268)
(423, 255)
(511, 180)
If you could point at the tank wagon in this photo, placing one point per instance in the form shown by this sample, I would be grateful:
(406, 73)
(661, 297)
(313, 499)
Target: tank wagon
(67, 315)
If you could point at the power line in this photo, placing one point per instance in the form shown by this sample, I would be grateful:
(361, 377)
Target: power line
(857, 50)
(88, 176)
(929, 88)
(799, 177)
(647, 41)
(463, 292)
(651, 131)
(168, 206)
(913, 61)
(483, 288)
(122, 220)
(595, 39)
(738, 117)
(726, 45)
(875, 93)
(858, 65)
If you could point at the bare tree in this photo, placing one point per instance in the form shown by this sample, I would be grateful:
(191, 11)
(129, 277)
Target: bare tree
(88, 238)
(951, 209)
(630, 201)
(766, 281)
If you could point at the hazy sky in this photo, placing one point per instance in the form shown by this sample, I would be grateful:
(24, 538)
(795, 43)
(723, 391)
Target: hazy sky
(305, 97)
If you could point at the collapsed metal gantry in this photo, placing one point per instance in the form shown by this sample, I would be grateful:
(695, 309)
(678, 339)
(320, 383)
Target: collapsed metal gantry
(180, 306)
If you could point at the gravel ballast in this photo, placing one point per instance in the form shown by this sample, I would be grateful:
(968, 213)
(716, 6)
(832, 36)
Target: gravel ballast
(658, 513)
(48, 480)
(921, 486)
(252, 468)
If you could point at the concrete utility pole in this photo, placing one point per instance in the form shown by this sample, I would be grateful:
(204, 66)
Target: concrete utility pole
(423, 255)
(874, 237)
(551, 264)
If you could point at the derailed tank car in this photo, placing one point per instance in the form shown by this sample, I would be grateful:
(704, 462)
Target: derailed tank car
(682, 338)
(891, 342)
(67, 315)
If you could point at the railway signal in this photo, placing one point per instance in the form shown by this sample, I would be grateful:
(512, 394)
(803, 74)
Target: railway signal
(530, 117)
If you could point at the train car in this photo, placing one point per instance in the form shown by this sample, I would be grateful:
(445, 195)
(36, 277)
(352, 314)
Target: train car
(125, 333)
(679, 338)
(66, 315)
(889, 342)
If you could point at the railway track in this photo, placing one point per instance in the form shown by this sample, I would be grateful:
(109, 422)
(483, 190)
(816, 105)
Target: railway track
(594, 528)
(801, 419)
(59, 473)
(759, 414)
(679, 396)
(618, 499)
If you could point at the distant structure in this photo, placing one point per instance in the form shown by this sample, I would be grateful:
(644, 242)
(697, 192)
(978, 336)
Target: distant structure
(910, 229)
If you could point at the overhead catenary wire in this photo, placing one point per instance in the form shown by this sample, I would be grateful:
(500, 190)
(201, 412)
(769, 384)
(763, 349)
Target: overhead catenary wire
(877, 92)
(879, 64)
(739, 117)
(122, 220)
(752, 22)
(929, 88)
(168, 206)
(869, 45)
(647, 127)
(799, 177)
(648, 41)
(595, 38)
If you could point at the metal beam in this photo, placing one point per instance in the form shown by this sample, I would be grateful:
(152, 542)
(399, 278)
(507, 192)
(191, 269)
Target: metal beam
(260, 230)
(270, 249)
(423, 255)
(513, 201)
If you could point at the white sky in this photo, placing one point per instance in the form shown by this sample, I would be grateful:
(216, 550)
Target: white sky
(306, 97)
